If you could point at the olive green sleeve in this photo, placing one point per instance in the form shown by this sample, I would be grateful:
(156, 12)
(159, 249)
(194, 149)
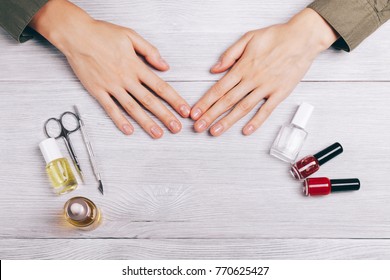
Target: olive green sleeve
(15, 15)
(354, 20)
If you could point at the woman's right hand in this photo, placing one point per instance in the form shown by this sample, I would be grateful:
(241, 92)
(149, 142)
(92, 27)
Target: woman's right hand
(104, 58)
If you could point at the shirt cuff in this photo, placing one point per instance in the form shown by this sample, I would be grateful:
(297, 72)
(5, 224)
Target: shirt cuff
(352, 20)
(17, 15)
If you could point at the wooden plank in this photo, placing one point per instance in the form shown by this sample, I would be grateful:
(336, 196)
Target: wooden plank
(193, 185)
(191, 36)
(123, 249)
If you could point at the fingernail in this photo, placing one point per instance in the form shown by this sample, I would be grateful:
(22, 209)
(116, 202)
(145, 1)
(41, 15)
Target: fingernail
(217, 129)
(156, 131)
(174, 126)
(184, 110)
(196, 113)
(127, 129)
(201, 125)
(249, 129)
(162, 61)
(217, 65)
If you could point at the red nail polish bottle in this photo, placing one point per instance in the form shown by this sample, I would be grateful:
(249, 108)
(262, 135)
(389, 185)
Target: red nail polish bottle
(311, 164)
(324, 186)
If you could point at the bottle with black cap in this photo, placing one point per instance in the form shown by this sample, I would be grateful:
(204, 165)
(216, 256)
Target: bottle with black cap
(324, 186)
(311, 164)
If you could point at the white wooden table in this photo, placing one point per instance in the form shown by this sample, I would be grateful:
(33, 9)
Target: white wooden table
(191, 195)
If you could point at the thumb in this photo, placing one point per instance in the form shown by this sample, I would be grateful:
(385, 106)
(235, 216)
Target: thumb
(230, 56)
(150, 52)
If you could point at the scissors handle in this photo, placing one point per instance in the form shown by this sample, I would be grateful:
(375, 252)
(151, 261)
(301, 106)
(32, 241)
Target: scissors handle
(66, 128)
(50, 134)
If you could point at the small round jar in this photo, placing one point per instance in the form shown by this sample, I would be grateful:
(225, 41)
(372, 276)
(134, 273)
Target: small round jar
(82, 213)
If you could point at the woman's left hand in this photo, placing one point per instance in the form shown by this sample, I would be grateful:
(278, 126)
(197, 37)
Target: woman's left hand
(266, 64)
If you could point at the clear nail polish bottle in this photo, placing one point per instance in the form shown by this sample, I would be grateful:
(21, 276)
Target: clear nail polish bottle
(291, 137)
(57, 167)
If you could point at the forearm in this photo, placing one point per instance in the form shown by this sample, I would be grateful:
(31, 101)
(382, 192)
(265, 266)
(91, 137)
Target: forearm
(310, 25)
(60, 22)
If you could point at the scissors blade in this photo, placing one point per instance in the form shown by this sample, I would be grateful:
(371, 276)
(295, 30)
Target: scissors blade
(74, 158)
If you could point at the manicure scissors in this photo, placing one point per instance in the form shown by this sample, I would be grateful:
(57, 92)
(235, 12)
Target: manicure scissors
(63, 127)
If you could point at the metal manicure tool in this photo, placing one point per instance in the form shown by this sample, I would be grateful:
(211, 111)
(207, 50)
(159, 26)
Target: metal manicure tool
(63, 127)
(88, 145)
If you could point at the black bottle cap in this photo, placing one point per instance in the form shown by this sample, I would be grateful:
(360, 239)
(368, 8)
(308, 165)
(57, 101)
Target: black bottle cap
(339, 185)
(327, 154)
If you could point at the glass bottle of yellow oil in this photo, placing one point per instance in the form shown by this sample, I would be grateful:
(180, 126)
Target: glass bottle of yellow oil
(57, 167)
(82, 213)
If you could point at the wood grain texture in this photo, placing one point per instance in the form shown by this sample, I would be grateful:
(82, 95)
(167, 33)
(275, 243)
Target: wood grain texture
(196, 186)
(132, 249)
(191, 195)
(191, 36)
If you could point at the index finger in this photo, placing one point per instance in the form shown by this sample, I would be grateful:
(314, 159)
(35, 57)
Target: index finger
(166, 92)
(218, 90)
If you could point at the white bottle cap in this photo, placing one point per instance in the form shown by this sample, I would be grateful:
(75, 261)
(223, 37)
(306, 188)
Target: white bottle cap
(302, 115)
(77, 209)
(50, 150)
